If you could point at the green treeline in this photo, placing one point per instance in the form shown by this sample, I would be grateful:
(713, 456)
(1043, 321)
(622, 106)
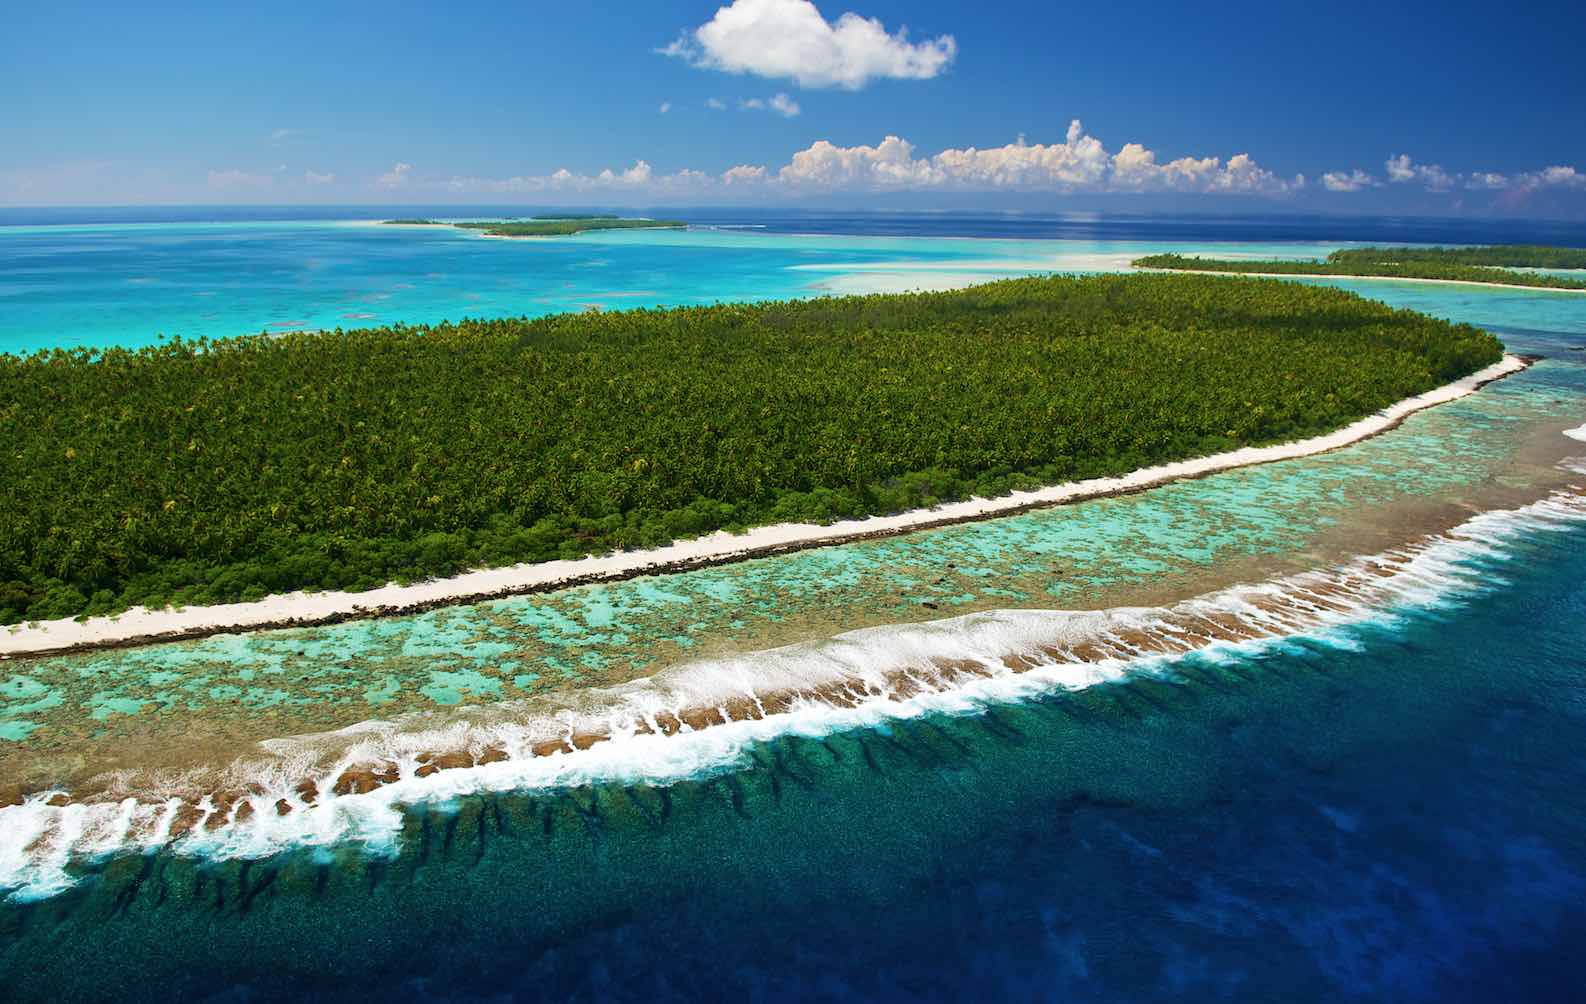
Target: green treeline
(565, 226)
(546, 226)
(1499, 256)
(208, 471)
(575, 216)
(1401, 263)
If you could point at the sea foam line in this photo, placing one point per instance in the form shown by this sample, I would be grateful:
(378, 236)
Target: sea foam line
(142, 624)
(700, 717)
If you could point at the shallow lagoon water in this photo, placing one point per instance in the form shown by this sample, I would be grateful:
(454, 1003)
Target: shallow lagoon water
(1391, 810)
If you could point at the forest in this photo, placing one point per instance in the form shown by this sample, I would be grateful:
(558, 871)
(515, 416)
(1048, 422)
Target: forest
(1485, 264)
(1498, 255)
(217, 470)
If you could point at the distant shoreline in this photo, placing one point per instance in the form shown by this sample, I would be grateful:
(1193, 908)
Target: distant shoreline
(142, 625)
(1364, 278)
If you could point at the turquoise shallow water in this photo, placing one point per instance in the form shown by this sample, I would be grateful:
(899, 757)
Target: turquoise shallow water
(129, 284)
(1388, 812)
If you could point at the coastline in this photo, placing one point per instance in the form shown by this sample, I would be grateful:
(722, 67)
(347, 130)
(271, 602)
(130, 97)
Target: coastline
(142, 625)
(1363, 278)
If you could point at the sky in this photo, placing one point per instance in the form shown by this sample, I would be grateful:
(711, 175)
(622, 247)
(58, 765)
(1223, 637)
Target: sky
(1425, 108)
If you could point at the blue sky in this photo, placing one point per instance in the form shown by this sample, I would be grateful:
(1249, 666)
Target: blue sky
(784, 101)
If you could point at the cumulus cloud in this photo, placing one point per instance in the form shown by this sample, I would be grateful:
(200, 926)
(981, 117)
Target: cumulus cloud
(666, 106)
(1562, 177)
(1079, 163)
(779, 103)
(716, 104)
(239, 179)
(1348, 181)
(398, 176)
(281, 134)
(315, 178)
(791, 40)
(743, 174)
(638, 177)
(1402, 169)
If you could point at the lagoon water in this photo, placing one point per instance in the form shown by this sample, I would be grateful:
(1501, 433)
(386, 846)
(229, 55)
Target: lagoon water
(1387, 805)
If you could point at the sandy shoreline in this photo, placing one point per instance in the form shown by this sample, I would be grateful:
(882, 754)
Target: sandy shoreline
(142, 625)
(1364, 278)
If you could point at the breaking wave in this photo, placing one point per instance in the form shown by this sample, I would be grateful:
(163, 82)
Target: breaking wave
(703, 716)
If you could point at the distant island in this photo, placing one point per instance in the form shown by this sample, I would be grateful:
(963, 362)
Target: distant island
(213, 471)
(1491, 265)
(545, 226)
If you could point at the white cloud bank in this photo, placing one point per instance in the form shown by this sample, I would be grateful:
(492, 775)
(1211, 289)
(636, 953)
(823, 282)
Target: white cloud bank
(1080, 163)
(1400, 169)
(791, 40)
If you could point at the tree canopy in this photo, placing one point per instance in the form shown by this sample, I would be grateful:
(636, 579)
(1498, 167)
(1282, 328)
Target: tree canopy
(210, 471)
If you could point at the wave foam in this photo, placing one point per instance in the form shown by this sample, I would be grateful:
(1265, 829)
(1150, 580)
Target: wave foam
(699, 717)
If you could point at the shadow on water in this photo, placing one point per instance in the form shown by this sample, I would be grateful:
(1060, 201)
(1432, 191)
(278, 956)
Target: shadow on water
(1397, 814)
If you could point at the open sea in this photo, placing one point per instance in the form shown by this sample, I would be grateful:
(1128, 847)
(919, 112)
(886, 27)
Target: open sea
(1312, 731)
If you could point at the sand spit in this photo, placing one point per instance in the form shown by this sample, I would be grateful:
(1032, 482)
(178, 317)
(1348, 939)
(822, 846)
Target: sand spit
(142, 625)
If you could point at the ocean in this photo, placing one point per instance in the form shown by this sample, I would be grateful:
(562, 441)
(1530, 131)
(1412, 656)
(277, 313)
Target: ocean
(1372, 787)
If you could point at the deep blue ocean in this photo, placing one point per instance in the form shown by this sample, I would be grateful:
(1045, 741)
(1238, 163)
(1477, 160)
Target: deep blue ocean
(1395, 811)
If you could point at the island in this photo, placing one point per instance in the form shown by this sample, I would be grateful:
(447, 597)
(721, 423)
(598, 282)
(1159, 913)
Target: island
(546, 226)
(224, 470)
(1489, 265)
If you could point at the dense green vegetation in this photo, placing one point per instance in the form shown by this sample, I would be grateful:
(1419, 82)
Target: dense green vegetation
(218, 470)
(575, 216)
(545, 226)
(1400, 263)
(564, 227)
(1499, 256)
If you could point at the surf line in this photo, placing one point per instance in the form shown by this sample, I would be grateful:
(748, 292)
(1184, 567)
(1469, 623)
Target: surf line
(142, 625)
(691, 720)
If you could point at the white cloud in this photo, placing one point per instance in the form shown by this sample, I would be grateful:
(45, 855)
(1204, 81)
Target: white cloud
(1348, 181)
(743, 174)
(779, 103)
(716, 104)
(1079, 163)
(315, 178)
(239, 179)
(1563, 177)
(790, 39)
(638, 177)
(1487, 179)
(666, 106)
(281, 134)
(398, 176)
(1402, 169)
